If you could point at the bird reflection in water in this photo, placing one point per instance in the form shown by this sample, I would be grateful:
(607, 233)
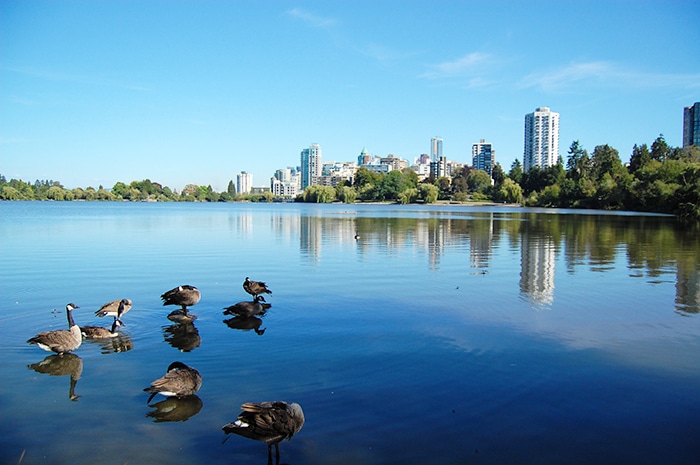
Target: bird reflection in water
(62, 365)
(269, 422)
(121, 343)
(246, 324)
(183, 336)
(175, 409)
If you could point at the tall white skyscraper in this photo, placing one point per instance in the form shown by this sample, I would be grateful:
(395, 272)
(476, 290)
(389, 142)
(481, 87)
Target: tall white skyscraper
(435, 148)
(541, 139)
(244, 182)
(483, 156)
(310, 165)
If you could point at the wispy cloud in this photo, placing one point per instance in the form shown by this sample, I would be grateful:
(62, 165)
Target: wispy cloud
(311, 19)
(52, 75)
(604, 74)
(470, 65)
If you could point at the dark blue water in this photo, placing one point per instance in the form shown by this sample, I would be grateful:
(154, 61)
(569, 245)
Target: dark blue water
(443, 335)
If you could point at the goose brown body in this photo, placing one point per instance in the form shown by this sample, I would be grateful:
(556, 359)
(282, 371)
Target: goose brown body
(255, 288)
(269, 422)
(184, 296)
(248, 309)
(98, 332)
(113, 308)
(60, 341)
(179, 381)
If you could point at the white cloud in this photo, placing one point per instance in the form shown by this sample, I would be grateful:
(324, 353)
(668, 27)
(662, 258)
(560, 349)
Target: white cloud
(310, 18)
(472, 65)
(605, 74)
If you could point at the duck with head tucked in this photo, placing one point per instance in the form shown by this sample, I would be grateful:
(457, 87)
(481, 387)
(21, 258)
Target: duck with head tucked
(269, 422)
(180, 380)
(184, 296)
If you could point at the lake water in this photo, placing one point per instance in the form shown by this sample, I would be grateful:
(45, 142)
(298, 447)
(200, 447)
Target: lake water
(444, 334)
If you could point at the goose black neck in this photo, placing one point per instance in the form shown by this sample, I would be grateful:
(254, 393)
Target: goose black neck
(71, 323)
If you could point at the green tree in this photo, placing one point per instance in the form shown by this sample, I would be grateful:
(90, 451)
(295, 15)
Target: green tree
(516, 171)
(318, 194)
(660, 149)
(640, 157)
(363, 176)
(510, 192)
(428, 192)
(478, 181)
(578, 162)
(498, 175)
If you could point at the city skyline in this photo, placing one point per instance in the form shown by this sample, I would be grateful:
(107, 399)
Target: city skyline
(103, 92)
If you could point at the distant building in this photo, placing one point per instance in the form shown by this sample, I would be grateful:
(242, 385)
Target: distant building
(244, 182)
(438, 168)
(364, 158)
(286, 183)
(310, 165)
(691, 125)
(396, 163)
(483, 156)
(435, 148)
(541, 139)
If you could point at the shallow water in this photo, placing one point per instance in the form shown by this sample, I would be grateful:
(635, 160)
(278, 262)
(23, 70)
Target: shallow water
(442, 335)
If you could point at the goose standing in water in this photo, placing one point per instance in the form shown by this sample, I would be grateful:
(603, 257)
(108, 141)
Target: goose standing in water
(184, 296)
(60, 341)
(248, 309)
(98, 332)
(255, 288)
(269, 422)
(115, 308)
(179, 381)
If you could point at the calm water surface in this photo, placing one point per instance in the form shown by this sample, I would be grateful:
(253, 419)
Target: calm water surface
(446, 335)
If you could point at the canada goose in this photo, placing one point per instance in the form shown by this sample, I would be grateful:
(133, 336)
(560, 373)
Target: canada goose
(98, 332)
(60, 341)
(255, 288)
(269, 422)
(115, 308)
(179, 381)
(247, 309)
(184, 295)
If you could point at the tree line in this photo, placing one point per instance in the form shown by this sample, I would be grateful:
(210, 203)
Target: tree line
(659, 178)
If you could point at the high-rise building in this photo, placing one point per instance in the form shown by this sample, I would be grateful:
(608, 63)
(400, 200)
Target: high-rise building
(691, 125)
(364, 158)
(435, 148)
(285, 183)
(483, 156)
(244, 182)
(541, 139)
(310, 165)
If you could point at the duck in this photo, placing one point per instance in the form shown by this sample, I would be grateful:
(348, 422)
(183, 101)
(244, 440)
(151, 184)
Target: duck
(184, 295)
(60, 341)
(115, 308)
(357, 236)
(98, 332)
(248, 309)
(180, 380)
(269, 422)
(255, 288)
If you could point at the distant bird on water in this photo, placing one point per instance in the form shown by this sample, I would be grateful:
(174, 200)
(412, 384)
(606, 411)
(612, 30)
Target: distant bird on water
(269, 422)
(115, 308)
(98, 332)
(248, 309)
(60, 341)
(179, 381)
(255, 288)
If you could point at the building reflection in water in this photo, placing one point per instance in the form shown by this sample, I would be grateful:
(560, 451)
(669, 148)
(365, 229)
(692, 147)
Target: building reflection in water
(537, 259)
(595, 241)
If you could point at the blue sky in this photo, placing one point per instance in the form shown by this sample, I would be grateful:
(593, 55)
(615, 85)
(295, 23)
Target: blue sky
(95, 92)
